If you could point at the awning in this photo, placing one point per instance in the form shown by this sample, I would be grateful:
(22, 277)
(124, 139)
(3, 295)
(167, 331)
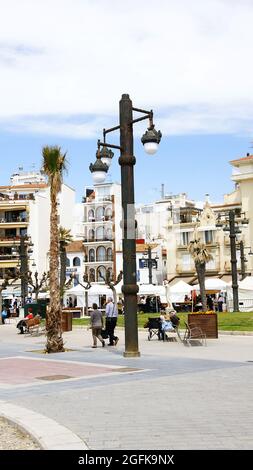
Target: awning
(188, 280)
(226, 277)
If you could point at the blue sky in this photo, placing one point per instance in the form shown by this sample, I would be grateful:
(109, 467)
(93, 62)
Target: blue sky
(196, 164)
(64, 65)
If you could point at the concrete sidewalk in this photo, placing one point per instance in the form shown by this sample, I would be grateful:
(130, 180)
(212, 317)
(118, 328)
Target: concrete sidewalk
(172, 397)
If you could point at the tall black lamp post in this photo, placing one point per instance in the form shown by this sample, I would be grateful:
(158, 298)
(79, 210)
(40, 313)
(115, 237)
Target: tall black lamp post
(233, 231)
(24, 251)
(150, 140)
(232, 235)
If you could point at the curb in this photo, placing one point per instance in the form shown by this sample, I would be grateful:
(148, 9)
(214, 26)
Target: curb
(48, 434)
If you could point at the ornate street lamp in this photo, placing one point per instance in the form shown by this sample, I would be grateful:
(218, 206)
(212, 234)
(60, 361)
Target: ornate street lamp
(106, 156)
(98, 169)
(150, 140)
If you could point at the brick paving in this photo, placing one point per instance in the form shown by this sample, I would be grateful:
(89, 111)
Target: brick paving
(180, 398)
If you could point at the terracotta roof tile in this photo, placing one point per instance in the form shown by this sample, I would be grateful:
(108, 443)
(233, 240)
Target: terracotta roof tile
(24, 186)
(249, 158)
(75, 247)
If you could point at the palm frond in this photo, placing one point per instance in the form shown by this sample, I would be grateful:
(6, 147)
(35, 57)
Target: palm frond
(65, 235)
(199, 252)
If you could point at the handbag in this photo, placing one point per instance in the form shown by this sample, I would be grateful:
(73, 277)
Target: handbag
(104, 333)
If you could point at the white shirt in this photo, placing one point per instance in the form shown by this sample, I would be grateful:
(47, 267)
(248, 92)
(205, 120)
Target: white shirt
(111, 310)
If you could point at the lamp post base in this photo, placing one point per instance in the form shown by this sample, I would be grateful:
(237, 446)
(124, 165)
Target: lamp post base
(131, 354)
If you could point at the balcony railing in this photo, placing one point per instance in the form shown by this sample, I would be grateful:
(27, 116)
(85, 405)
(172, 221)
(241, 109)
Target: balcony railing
(9, 257)
(10, 238)
(104, 239)
(16, 197)
(104, 260)
(14, 220)
(97, 199)
(105, 218)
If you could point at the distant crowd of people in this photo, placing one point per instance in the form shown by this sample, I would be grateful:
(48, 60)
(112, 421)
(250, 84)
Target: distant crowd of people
(214, 302)
(10, 308)
(149, 304)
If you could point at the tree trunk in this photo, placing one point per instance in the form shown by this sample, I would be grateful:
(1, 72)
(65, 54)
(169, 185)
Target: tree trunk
(114, 295)
(53, 319)
(63, 264)
(201, 271)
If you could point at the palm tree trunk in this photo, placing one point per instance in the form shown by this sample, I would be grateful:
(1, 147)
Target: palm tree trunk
(63, 264)
(53, 320)
(201, 272)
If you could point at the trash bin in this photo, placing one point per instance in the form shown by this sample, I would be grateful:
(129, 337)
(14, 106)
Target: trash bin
(66, 320)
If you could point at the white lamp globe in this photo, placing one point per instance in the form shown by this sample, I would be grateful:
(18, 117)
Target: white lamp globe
(98, 176)
(151, 148)
(106, 160)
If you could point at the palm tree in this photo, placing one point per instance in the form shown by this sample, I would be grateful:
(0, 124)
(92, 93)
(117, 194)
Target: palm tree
(53, 165)
(200, 256)
(65, 238)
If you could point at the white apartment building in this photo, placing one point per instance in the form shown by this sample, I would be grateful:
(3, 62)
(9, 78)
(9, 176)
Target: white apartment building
(25, 210)
(101, 231)
(201, 222)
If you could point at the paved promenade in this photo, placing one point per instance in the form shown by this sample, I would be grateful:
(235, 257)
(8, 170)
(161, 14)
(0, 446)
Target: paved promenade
(172, 397)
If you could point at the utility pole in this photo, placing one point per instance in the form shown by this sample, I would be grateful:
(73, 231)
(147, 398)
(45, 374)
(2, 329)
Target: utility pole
(23, 269)
(232, 236)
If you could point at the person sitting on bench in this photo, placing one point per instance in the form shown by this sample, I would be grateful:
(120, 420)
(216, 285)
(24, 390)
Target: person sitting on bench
(22, 324)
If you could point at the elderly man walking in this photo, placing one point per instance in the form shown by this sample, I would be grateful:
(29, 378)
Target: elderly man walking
(111, 314)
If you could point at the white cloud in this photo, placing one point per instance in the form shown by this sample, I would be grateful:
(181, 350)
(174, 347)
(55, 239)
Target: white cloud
(189, 60)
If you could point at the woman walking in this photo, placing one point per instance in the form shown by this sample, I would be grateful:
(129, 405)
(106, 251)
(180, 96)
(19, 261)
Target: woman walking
(97, 323)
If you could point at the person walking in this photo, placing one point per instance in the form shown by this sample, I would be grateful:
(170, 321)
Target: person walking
(4, 314)
(97, 322)
(111, 314)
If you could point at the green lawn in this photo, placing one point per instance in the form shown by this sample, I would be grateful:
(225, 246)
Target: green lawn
(235, 321)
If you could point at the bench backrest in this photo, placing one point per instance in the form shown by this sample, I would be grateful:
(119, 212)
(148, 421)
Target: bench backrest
(33, 321)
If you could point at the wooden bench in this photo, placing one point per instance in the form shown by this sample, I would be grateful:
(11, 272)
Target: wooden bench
(34, 326)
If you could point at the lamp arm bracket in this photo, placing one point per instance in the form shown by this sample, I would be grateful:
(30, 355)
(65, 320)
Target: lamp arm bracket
(139, 119)
(142, 111)
(112, 129)
(104, 144)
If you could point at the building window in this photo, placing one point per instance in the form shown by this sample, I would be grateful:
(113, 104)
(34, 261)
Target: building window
(100, 233)
(101, 253)
(210, 266)
(91, 235)
(109, 234)
(108, 213)
(109, 270)
(92, 255)
(92, 276)
(208, 236)
(186, 262)
(67, 262)
(100, 213)
(101, 273)
(184, 238)
(109, 254)
(76, 261)
(91, 215)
